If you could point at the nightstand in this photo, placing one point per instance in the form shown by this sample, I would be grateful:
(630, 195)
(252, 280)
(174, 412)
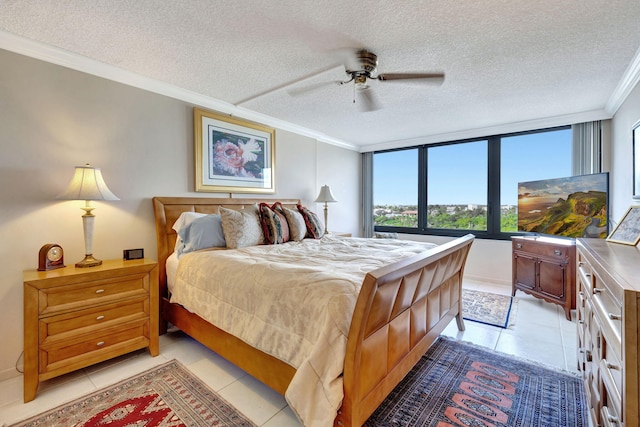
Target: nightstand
(76, 317)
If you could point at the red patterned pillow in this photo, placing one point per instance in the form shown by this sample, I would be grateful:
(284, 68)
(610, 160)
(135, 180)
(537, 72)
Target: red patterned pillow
(274, 225)
(314, 227)
(279, 210)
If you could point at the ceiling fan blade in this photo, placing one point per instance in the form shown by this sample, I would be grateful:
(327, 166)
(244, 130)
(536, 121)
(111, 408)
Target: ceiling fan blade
(431, 77)
(312, 88)
(366, 100)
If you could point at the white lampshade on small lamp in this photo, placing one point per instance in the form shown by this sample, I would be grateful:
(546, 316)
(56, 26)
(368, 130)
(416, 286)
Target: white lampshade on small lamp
(87, 184)
(325, 197)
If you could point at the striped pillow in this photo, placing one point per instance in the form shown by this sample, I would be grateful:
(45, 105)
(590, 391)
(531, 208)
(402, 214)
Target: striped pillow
(314, 226)
(271, 225)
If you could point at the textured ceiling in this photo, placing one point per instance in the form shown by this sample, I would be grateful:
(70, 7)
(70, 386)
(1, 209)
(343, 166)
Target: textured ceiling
(506, 61)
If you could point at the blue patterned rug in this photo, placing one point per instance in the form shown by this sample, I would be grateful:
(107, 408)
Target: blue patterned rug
(488, 308)
(461, 384)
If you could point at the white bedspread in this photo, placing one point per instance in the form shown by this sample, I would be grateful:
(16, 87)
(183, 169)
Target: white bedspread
(293, 301)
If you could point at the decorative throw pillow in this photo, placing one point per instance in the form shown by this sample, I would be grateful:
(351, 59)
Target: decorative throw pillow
(311, 220)
(201, 233)
(241, 228)
(271, 224)
(279, 210)
(297, 227)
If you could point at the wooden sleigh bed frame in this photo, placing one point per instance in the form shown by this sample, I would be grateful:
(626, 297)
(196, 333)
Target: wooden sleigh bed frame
(401, 310)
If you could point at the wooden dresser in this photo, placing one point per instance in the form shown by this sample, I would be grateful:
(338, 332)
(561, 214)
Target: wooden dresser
(75, 317)
(545, 268)
(608, 285)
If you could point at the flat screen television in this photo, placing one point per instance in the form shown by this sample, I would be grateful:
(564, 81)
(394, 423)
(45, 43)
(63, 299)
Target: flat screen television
(576, 206)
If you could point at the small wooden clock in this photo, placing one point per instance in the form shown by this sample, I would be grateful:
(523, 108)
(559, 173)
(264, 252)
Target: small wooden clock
(51, 256)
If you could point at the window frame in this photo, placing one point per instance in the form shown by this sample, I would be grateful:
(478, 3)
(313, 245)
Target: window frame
(493, 230)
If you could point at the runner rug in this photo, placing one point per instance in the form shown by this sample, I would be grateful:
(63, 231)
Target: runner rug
(166, 396)
(488, 308)
(461, 384)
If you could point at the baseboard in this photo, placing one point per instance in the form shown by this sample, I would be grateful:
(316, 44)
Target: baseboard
(491, 280)
(7, 374)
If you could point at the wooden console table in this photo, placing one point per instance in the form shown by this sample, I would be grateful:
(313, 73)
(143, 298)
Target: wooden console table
(545, 268)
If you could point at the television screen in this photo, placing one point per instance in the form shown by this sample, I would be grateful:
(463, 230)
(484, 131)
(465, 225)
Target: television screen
(576, 206)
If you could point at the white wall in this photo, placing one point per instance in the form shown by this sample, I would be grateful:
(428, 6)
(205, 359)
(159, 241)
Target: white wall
(53, 118)
(621, 176)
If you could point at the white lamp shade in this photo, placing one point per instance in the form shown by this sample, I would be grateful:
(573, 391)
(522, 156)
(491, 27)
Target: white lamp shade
(87, 184)
(325, 195)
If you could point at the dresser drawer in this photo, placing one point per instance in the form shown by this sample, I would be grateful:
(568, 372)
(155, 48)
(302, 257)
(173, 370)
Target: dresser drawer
(61, 353)
(80, 295)
(92, 319)
(609, 317)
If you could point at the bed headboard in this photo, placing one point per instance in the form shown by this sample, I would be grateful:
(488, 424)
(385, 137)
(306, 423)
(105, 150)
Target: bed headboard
(167, 210)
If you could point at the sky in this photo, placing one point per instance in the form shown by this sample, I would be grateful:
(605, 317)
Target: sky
(458, 175)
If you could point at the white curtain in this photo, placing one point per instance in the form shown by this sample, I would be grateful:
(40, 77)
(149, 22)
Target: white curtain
(587, 148)
(367, 194)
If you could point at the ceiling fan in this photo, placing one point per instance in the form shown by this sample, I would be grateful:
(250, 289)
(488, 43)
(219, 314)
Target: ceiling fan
(361, 66)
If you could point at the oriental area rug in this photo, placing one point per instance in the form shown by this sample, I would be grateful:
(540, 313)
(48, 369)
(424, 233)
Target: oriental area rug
(165, 396)
(461, 384)
(488, 308)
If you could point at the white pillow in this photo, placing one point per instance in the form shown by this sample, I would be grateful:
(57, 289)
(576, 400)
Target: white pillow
(241, 228)
(183, 220)
(297, 226)
(201, 233)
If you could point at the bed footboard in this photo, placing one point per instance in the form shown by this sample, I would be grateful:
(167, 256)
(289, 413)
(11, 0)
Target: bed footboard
(401, 310)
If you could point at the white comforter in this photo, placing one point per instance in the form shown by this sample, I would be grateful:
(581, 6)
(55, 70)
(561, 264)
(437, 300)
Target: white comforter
(293, 301)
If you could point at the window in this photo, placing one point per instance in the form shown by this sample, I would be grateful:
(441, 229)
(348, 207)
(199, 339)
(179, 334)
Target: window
(457, 186)
(464, 186)
(395, 188)
(530, 157)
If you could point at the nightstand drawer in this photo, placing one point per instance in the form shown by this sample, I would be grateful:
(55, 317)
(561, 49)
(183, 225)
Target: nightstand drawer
(92, 319)
(66, 352)
(77, 296)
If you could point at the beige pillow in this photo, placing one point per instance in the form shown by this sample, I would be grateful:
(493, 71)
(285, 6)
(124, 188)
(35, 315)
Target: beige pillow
(297, 226)
(241, 228)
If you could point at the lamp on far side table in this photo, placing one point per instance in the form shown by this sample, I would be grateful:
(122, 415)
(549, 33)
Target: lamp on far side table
(325, 197)
(87, 184)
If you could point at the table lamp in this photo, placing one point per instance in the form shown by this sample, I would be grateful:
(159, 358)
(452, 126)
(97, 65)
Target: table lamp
(325, 197)
(87, 184)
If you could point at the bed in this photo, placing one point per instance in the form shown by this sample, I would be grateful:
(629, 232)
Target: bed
(399, 311)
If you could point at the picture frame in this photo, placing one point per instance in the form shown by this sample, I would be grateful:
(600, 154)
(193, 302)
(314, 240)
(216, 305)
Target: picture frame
(232, 155)
(628, 229)
(636, 160)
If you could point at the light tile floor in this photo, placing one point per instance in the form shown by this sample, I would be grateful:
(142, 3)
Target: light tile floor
(541, 333)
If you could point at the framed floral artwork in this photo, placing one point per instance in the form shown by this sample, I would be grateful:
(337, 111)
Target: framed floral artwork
(233, 155)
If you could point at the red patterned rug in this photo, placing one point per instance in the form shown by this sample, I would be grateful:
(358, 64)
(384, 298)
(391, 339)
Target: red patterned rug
(460, 384)
(166, 396)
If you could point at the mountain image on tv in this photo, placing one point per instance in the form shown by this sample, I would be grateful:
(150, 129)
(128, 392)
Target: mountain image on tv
(572, 207)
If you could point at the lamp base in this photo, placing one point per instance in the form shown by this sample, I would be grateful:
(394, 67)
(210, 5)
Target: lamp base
(88, 261)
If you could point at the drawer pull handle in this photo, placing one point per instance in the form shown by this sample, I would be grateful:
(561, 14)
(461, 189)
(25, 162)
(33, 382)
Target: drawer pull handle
(100, 344)
(581, 322)
(615, 316)
(613, 366)
(597, 290)
(100, 317)
(581, 294)
(99, 291)
(557, 252)
(519, 245)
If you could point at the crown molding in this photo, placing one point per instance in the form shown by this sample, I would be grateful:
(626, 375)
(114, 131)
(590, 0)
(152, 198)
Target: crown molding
(67, 59)
(629, 80)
